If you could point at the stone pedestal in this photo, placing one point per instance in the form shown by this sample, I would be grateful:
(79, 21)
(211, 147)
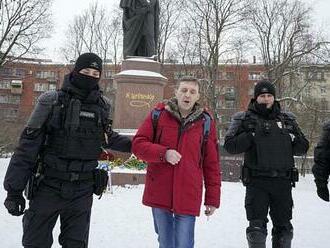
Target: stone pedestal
(139, 86)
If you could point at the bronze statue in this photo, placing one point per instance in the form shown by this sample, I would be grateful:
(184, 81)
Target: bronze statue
(140, 26)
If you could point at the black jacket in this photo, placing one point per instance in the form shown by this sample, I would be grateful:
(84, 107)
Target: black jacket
(265, 138)
(34, 135)
(321, 168)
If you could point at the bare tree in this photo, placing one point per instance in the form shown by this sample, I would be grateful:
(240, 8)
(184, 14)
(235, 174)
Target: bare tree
(281, 31)
(169, 21)
(95, 30)
(23, 23)
(212, 20)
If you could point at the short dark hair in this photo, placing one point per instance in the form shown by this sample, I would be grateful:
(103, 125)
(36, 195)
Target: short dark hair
(188, 79)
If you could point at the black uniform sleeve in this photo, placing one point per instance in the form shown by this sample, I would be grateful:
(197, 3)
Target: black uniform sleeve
(31, 140)
(237, 140)
(114, 140)
(321, 168)
(300, 143)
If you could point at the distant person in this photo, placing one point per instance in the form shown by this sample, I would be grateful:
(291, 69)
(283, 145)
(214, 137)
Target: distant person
(178, 141)
(321, 168)
(140, 27)
(269, 138)
(58, 151)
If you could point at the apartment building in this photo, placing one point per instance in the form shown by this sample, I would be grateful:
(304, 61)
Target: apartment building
(22, 82)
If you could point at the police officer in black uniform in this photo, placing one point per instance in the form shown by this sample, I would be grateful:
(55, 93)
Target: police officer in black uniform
(57, 154)
(269, 138)
(321, 168)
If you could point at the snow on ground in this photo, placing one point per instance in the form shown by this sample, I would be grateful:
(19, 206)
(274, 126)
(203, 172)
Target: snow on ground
(119, 220)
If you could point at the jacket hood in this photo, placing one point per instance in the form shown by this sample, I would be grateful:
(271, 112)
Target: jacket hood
(172, 107)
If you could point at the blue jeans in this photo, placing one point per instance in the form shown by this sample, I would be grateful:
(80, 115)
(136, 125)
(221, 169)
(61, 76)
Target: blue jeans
(174, 230)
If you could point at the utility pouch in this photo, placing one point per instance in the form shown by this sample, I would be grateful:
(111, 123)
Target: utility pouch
(100, 181)
(245, 175)
(294, 175)
(32, 185)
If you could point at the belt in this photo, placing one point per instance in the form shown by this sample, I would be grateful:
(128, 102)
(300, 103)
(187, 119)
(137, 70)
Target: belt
(69, 176)
(271, 173)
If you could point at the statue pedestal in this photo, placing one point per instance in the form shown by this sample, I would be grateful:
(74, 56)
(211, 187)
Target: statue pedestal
(139, 87)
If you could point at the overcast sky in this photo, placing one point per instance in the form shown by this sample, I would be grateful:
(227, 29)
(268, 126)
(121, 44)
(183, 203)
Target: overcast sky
(65, 10)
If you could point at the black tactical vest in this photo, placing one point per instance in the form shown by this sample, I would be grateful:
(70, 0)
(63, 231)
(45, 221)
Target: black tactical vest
(273, 145)
(75, 130)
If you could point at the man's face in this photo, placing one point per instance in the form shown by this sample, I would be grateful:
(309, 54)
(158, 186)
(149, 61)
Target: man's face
(90, 72)
(267, 99)
(187, 95)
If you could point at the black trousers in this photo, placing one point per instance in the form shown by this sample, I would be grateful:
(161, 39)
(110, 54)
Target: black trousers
(269, 195)
(71, 202)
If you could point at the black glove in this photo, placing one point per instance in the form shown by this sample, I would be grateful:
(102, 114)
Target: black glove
(322, 190)
(249, 126)
(100, 181)
(15, 203)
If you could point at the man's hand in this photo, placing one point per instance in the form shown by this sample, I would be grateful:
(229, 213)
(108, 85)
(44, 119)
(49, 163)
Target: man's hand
(322, 190)
(209, 210)
(172, 156)
(15, 203)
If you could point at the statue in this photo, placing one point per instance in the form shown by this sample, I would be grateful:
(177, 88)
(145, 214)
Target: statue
(140, 26)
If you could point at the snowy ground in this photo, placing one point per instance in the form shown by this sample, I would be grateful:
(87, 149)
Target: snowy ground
(120, 220)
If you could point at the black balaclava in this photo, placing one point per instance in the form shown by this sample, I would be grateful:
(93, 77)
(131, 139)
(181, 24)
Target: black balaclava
(263, 87)
(84, 82)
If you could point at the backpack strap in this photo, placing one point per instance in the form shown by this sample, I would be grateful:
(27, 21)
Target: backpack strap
(206, 132)
(155, 114)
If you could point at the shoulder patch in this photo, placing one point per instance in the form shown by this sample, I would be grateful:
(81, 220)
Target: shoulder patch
(48, 97)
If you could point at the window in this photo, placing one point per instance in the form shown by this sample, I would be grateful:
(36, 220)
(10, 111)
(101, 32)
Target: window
(4, 99)
(40, 86)
(255, 75)
(229, 104)
(16, 84)
(4, 84)
(8, 113)
(14, 99)
(308, 90)
(46, 74)
(230, 93)
(230, 75)
(52, 87)
(20, 72)
(314, 75)
(6, 72)
(179, 74)
(108, 74)
(323, 90)
(251, 91)
(219, 104)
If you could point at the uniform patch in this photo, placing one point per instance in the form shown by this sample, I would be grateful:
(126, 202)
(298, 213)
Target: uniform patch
(87, 114)
(279, 124)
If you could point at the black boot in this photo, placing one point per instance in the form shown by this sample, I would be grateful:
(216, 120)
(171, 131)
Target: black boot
(282, 237)
(256, 234)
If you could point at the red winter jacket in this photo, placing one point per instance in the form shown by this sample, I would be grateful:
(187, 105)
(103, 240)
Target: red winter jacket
(179, 187)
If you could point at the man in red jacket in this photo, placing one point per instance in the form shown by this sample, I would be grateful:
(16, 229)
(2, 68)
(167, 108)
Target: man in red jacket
(179, 159)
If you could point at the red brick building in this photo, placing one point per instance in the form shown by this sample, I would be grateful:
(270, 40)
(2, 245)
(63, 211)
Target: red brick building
(22, 82)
